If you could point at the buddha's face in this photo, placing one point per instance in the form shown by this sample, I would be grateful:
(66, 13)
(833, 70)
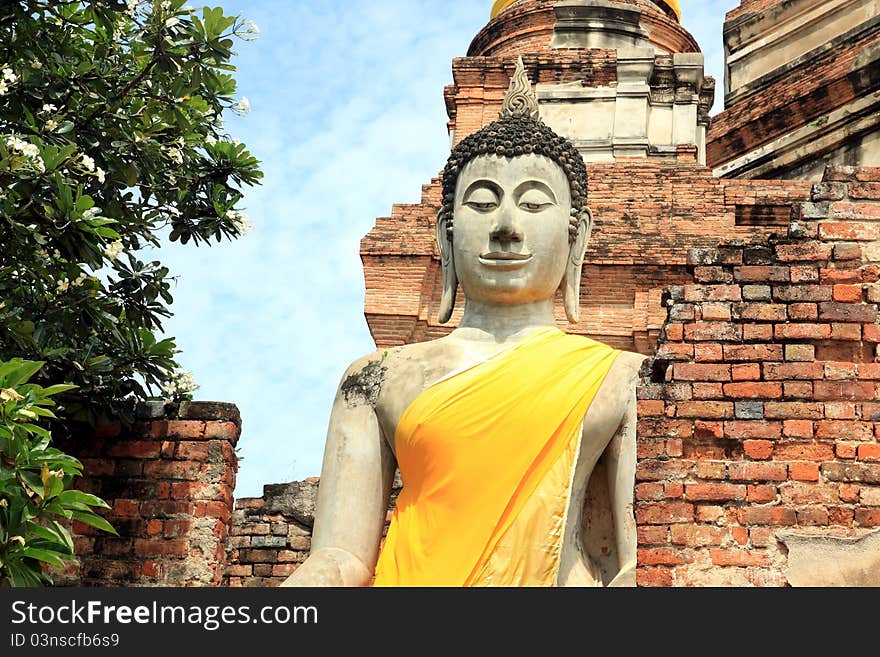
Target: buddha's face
(511, 228)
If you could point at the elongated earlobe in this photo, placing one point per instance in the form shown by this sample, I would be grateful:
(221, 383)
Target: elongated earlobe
(447, 261)
(575, 266)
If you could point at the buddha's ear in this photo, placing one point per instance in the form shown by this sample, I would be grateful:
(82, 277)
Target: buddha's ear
(447, 261)
(575, 266)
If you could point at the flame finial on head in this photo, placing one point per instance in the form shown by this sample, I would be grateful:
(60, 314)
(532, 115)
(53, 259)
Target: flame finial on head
(520, 100)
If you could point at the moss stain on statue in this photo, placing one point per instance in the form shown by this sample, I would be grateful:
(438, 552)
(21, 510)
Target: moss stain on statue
(364, 387)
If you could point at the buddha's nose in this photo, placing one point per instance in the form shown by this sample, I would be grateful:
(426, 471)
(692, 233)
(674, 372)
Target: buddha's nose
(505, 235)
(504, 231)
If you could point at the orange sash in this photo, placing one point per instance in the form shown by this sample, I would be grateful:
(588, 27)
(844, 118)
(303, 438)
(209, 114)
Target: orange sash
(486, 459)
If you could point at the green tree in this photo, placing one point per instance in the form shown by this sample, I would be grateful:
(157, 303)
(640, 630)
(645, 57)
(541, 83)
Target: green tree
(111, 136)
(35, 482)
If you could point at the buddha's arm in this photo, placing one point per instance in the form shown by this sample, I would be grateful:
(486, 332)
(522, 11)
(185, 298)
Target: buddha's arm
(356, 480)
(621, 458)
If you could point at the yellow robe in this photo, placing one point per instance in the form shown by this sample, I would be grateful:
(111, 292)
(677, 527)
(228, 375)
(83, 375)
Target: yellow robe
(487, 458)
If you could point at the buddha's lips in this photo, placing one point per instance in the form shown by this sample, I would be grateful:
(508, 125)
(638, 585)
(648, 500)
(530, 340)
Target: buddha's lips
(505, 260)
(506, 255)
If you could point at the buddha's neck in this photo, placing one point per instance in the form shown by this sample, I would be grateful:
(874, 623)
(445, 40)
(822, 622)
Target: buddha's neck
(501, 322)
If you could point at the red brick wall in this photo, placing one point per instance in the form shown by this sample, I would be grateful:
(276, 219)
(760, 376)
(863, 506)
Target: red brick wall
(762, 408)
(169, 482)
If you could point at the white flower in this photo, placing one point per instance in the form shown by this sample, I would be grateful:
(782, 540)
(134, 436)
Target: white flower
(210, 139)
(236, 141)
(36, 63)
(3, 88)
(56, 254)
(176, 155)
(51, 125)
(91, 213)
(243, 106)
(113, 250)
(166, 6)
(9, 76)
(174, 212)
(48, 108)
(30, 150)
(79, 280)
(180, 382)
(62, 286)
(101, 174)
(39, 239)
(252, 33)
(88, 162)
(241, 221)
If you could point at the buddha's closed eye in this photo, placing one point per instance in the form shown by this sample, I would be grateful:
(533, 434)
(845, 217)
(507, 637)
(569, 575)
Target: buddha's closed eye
(481, 199)
(535, 200)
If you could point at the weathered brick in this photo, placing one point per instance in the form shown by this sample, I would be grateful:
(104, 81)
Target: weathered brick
(650, 577)
(813, 252)
(701, 372)
(753, 390)
(756, 292)
(761, 274)
(713, 332)
(799, 353)
(847, 312)
(868, 517)
(797, 429)
(803, 331)
(761, 312)
(750, 352)
(698, 293)
(843, 390)
(860, 473)
(758, 449)
(762, 493)
(664, 513)
(660, 557)
(797, 451)
(804, 274)
(766, 515)
(789, 371)
(187, 429)
(749, 471)
(705, 409)
(869, 453)
(743, 558)
(739, 430)
(803, 312)
(851, 231)
(714, 492)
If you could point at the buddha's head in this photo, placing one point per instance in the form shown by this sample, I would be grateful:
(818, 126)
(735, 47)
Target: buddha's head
(514, 223)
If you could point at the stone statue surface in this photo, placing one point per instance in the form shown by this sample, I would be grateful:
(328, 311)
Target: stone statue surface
(512, 233)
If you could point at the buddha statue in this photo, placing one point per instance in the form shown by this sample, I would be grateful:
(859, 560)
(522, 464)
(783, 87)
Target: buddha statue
(496, 428)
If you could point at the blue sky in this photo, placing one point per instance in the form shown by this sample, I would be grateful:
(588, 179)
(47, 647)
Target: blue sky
(348, 119)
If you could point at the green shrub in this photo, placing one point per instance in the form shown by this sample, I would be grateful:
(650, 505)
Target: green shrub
(35, 481)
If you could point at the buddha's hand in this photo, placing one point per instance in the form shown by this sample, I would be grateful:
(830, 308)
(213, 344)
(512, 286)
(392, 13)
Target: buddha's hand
(626, 577)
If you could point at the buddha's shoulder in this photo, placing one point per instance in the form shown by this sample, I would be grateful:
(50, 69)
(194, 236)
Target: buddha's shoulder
(386, 362)
(630, 362)
(627, 363)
